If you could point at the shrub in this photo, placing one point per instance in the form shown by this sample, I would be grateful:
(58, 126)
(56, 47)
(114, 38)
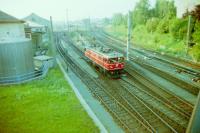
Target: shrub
(152, 24)
(163, 26)
(178, 28)
(196, 34)
(195, 52)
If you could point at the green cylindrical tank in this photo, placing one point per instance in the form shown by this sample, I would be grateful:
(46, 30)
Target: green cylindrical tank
(16, 58)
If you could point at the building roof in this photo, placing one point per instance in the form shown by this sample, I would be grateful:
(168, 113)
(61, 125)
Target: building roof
(6, 18)
(33, 24)
(37, 19)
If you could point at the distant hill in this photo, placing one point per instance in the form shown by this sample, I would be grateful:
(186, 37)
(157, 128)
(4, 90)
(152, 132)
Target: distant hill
(37, 19)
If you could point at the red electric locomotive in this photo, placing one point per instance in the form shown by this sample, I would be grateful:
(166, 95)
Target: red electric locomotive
(107, 60)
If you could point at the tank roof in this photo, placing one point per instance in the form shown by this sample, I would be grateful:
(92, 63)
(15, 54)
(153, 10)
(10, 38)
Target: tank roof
(106, 52)
(6, 18)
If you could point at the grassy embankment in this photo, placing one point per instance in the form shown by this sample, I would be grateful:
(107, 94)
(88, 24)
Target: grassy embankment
(153, 41)
(43, 106)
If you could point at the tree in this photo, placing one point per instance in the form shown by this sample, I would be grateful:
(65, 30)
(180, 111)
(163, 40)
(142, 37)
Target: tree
(106, 21)
(178, 28)
(195, 23)
(196, 12)
(196, 33)
(141, 13)
(119, 19)
(165, 8)
(152, 24)
(163, 26)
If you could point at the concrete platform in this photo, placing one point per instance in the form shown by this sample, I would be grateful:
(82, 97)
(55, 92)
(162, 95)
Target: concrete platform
(93, 107)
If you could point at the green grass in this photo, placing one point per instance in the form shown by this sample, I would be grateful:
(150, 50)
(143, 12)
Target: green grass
(43, 106)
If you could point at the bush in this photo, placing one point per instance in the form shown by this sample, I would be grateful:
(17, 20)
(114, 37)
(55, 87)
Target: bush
(196, 34)
(163, 26)
(140, 28)
(178, 28)
(152, 24)
(195, 52)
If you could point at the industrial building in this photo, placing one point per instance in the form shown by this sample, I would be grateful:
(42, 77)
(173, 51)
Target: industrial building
(39, 35)
(16, 56)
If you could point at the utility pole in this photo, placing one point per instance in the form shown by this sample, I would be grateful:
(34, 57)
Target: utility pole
(52, 38)
(67, 20)
(188, 34)
(128, 36)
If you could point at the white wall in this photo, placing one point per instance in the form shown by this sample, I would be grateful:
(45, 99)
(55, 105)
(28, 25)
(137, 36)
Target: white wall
(11, 31)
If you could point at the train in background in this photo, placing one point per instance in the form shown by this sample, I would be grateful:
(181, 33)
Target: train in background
(108, 61)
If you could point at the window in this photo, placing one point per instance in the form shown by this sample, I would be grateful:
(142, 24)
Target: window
(115, 60)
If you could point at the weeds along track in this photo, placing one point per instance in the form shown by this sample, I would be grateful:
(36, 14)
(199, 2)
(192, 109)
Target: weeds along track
(122, 114)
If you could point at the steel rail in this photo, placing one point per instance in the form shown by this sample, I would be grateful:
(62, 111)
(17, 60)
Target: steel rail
(96, 89)
(167, 97)
(161, 108)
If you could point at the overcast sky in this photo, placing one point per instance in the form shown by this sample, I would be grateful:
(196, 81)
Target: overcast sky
(77, 9)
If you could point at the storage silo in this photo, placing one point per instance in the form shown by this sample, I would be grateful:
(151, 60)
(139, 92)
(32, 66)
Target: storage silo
(16, 56)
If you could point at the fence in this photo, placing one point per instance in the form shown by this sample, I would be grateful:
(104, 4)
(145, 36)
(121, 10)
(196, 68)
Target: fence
(40, 73)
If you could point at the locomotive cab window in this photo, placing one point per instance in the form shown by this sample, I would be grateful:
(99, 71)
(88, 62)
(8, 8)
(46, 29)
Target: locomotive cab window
(120, 59)
(113, 60)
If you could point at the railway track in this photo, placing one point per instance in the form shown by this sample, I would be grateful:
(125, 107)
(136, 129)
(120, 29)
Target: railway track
(160, 116)
(180, 104)
(141, 110)
(185, 85)
(122, 114)
(164, 110)
(180, 68)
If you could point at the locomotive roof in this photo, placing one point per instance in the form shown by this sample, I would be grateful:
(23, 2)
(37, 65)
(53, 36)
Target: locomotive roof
(106, 52)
